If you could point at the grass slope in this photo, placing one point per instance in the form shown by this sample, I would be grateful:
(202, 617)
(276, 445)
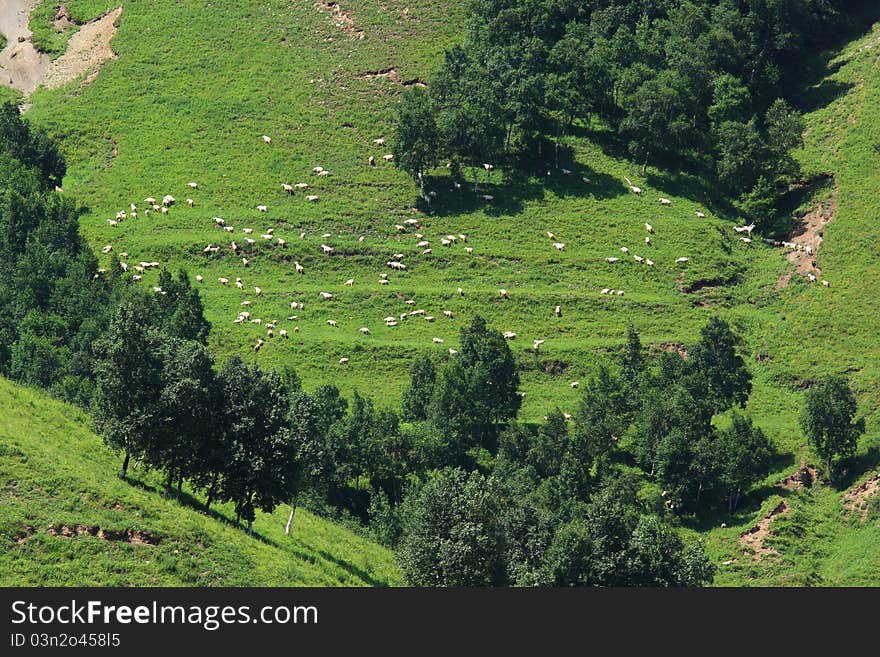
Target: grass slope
(57, 473)
(192, 92)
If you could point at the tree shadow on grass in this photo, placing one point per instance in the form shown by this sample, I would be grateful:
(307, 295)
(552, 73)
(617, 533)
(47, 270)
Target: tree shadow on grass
(351, 569)
(189, 501)
(512, 189)
(851, 469)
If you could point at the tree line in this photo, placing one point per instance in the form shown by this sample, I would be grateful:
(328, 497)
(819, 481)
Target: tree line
(703, 86)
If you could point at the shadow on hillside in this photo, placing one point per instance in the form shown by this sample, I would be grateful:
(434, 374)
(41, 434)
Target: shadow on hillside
(815, 189)
(851, 469)
(191, 502)
(516, 188)
(749, 504)
(351, 569)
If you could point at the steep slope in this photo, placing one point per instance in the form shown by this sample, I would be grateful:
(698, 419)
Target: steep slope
(66, 520)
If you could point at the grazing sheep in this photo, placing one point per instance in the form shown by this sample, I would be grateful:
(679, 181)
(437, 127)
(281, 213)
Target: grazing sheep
(558, 311)
(259, 344)
(559, 246)
(267, 139)
(460, 292)
(623, 249)
(611, 259)
(509, 335)
(343, 361)
(283, 333)
(649, 228)
(700, 214)
(665, 201)
(388, 157)
(647, 241)
(678, 261)
(537, 344)
(325, 295)
(437, 340)
(287, 188)
(638, 258)
(167, 200)
(311, 198)
(826, 283)
(575, 384)
(364, 330)
(299, 268)
(199, 278)
(331, 322)
(503, 293)
(452, 351)
(262, 208)
(223, 280)
(349, 282)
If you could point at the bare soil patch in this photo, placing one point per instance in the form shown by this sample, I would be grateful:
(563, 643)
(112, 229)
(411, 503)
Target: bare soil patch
(87, 50)
(22, 66)
(341, 18)
(805, 477)
(754, 538)
(804, 241)
(129, 535)
(856, 500)
(670, 347)
(392, 74)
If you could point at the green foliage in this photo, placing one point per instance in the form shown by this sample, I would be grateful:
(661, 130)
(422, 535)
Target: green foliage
(452, 533)
(829, 421)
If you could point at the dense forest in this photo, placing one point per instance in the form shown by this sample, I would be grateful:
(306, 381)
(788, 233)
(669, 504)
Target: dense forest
(697, 86)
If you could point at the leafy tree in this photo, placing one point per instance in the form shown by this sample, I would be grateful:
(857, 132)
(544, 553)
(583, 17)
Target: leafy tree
(828, 421)
(745, 453)
(190, 406)
(478, 391)
(723, 370)
(416, 147)
(452, 532)
(417, 398)
(128, 408)
(181, 308)
(260, 457)
(632, 362)
(307, 450)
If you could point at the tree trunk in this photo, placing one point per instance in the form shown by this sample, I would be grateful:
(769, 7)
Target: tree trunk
(476, 180)
(124, 470)
(250, 528)
(211, 492)
(168, 483)
(179, 487)
(290, 518)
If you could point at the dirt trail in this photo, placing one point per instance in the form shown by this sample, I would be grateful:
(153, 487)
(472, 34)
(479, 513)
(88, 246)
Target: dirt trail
(342, 19)
(754, 538)
(22, 67)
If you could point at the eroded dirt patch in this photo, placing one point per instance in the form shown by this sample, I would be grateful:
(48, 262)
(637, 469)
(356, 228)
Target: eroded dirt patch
(856, 500)
(805, 477)
(754, 538)
(22, 66)
(670, 347)
(129, 535)
(87, 50)
(341, 18)
(392, 74)
(804, 241)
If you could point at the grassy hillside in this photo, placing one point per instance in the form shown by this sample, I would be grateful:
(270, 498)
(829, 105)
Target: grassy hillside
(66, 520)
(192, 92)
